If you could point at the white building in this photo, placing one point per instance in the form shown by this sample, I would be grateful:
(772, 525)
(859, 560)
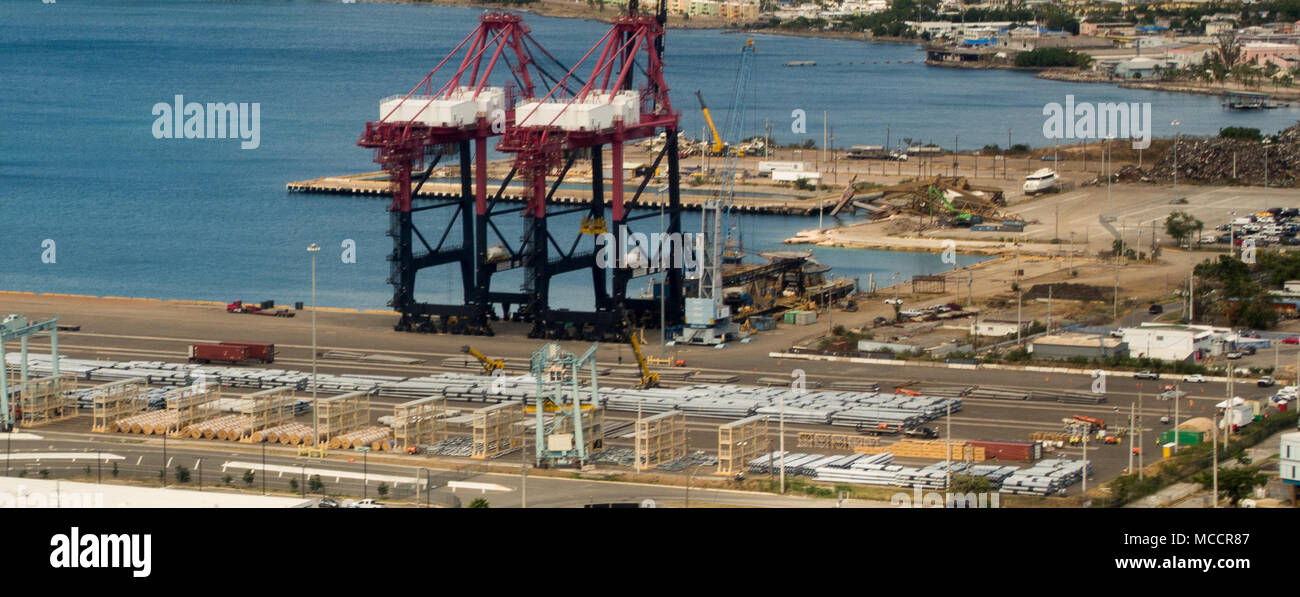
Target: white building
(1289, 467)
(995, 327)
(1173, 342)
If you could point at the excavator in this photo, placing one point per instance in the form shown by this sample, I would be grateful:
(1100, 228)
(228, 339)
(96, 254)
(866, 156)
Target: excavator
(489, 365)
(649, 379)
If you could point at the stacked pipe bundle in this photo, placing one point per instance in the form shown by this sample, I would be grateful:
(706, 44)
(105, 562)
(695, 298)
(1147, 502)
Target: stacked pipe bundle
(154, 422)
(274, 435)
(210, 428)
(294, 434)
(453, 446)
(1046, 477)
(154, 398)
(696, 458)
(863, 469)
(990, 393)
(370, 437)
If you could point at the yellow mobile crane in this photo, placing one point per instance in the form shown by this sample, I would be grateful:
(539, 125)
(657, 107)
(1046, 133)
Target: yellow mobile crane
(718, 148)
(489, 365)
(649, 379)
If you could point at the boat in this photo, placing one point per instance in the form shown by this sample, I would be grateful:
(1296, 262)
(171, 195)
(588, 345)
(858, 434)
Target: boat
(1041, 181)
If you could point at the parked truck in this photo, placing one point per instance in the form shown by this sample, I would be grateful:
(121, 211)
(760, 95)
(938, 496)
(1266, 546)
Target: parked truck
(265, 308)
(207, 353)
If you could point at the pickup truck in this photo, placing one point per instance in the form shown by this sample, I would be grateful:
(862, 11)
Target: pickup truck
(366, 503)
(1265, 382)
(1146, 375)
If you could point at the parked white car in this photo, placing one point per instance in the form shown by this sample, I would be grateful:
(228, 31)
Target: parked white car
(1194, 378)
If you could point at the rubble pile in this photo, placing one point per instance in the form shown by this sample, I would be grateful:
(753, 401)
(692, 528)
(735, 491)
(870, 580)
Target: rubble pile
(1211, 160)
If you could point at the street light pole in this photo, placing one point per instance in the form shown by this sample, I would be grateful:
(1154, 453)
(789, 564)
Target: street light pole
(1175, 123)
(315, 406)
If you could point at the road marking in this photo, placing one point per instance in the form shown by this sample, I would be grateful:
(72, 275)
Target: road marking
(73, 456)
(308, 471)
(20, 436)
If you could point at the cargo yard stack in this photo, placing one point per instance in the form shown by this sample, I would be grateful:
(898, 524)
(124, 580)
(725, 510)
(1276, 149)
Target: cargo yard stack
(553, 133)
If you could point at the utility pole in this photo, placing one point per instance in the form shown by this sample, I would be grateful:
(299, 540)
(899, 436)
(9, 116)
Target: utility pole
(1214, 449)
(1141, 460)
(315, 405)
(781, 446)
(947, 443)
(1085, 462)
(1132, 414)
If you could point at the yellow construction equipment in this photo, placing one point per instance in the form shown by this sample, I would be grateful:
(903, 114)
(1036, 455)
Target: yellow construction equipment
(649, 379)
(593, 225)
(718, 147)
(489, 365)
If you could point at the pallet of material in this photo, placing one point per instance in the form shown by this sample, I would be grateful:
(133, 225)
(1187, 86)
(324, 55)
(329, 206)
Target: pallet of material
(856, 386)
(717, 378)
(1073, 398)
(930, 449)
(776, 382)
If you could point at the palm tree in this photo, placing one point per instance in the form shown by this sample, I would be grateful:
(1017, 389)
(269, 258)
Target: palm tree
(1227, 53)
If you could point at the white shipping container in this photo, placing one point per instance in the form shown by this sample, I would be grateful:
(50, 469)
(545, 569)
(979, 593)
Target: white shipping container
(805, 318)
(426, 110)
(793, 175)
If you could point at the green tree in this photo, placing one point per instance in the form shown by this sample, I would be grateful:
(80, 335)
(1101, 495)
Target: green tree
(970, 484)
(114, 472)
(293, 484)
(182, 474)
(315, 485)
(227, 479)
(249, 476)
(1234, 483)
(1180, 225)
(382, 489)
(479, 503)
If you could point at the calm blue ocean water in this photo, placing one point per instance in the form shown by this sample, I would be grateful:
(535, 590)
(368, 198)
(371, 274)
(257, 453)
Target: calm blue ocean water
(136, 216)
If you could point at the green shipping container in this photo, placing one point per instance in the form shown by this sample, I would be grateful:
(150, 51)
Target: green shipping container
(1186, 437)
(788, 316)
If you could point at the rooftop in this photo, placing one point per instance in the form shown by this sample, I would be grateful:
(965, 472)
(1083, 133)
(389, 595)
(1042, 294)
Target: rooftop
(1077, 339)
(39, 493)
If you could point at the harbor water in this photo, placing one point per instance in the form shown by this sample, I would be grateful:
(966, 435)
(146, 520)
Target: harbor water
(93, 203)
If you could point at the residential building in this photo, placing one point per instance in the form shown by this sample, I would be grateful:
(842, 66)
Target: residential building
(1121, 28)
(1264, 53)
(703, 8)
(738, 10)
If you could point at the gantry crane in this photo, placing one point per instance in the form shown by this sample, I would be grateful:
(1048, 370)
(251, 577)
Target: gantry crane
(553, 133)
(430, 124)
(489, 365)
(560, 392)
